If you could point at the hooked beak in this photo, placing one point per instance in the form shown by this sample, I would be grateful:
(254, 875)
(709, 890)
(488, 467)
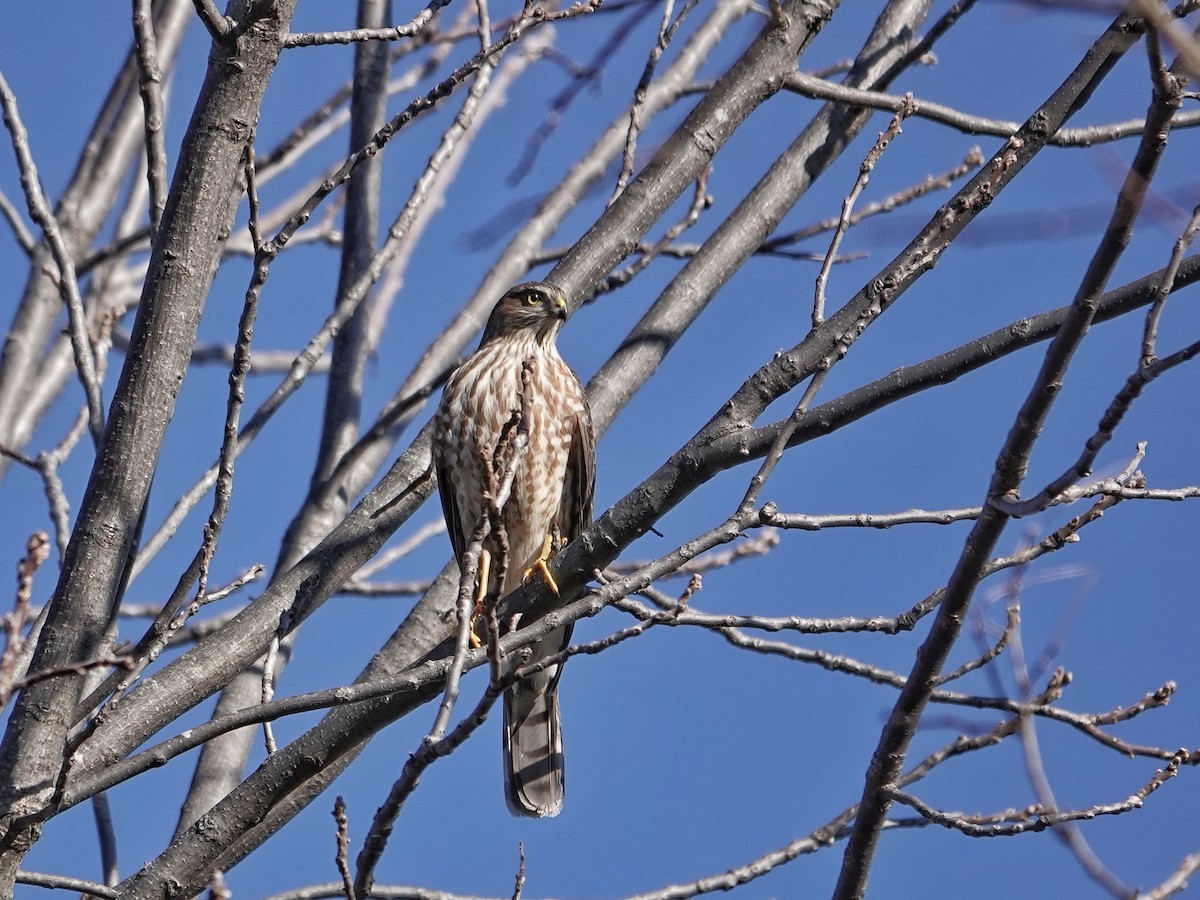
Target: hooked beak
(559, 307)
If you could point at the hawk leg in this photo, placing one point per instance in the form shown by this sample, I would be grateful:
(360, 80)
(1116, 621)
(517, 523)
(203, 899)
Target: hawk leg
(485, 571)
(550, 548)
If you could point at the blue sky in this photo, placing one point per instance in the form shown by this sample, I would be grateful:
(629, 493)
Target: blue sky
(686, 756)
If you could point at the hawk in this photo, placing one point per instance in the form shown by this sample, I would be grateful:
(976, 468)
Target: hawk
(516, 382)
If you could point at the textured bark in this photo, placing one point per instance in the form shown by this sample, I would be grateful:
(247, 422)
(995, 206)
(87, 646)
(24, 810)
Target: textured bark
(196, 223)
(222, 761)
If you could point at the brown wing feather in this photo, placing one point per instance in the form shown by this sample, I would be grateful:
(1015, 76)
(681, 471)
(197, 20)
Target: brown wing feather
(579, 483)
(446, 491)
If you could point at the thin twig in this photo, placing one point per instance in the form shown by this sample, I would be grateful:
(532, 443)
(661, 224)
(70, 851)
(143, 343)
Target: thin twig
(1154, 314)
(1176, 882)
(343, 844)
(382, 560)
(647, 253)
(218, 26)
(52, 486)
(759, 481)
(359, 588)
(97, 662)
(268, 691)
(988, 655)
(1036, 820)
(860, 183)
(358, 35)
(1112, 418)
(66, 883)
(150, 86)
(972, 161)
(583, 75)
(68, 286)
(108, 839)
(758, 544)
(1089, 136)
(20, 232)
(37, 548)
(666, 31)
(519, 884)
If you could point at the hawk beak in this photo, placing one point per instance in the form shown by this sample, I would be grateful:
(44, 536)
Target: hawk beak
(560, 307)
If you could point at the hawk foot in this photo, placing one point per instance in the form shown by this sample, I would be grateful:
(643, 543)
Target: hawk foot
(474, 637)
(550, 548)
(540, 566)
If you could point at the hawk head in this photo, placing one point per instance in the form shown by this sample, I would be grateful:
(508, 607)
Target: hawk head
(535, 309)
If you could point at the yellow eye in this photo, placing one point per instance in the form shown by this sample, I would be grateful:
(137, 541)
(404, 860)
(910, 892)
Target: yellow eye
(531, 299)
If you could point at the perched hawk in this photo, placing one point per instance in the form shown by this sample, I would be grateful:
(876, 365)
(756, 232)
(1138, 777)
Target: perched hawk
(516, 381)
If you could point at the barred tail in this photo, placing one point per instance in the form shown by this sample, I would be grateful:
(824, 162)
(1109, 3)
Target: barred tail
(533, 750)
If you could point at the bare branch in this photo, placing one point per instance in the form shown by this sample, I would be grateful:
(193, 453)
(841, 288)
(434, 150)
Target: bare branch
(356, 35)
(1010, 467)
(218, 26)
(519, 884)
(20, 232)
(108, 839)
(1121, 403)
(1176, 882)
(36, 551)
(43, 216)
(150, 85)
(1150, 334)
(1036, 819)
(860, 183)
(343, 843)
(647, 253)
(818, 88)
(403, 549)
(973, 160)
(666, 30)
(66, 883)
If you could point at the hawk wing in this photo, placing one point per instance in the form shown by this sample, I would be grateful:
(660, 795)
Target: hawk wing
(458, 538)
(579, 480)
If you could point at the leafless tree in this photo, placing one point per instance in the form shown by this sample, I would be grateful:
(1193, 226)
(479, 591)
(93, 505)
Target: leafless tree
(651, 210)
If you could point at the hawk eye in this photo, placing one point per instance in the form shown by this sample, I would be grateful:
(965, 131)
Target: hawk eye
(531, 299)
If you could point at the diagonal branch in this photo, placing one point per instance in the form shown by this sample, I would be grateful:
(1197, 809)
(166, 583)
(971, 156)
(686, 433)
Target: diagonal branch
(43, 216)
(1011, 464)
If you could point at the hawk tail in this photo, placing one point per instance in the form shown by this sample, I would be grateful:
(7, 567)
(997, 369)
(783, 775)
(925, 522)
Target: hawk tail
(533, 750)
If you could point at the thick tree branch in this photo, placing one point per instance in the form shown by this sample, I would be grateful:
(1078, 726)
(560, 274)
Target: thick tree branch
(199, 212)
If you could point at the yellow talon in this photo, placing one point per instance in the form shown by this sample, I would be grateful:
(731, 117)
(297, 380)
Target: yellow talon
(541, 566)
(485, 571)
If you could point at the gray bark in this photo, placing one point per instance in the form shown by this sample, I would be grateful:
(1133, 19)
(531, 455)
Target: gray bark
(223, 760)
(197, 220)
